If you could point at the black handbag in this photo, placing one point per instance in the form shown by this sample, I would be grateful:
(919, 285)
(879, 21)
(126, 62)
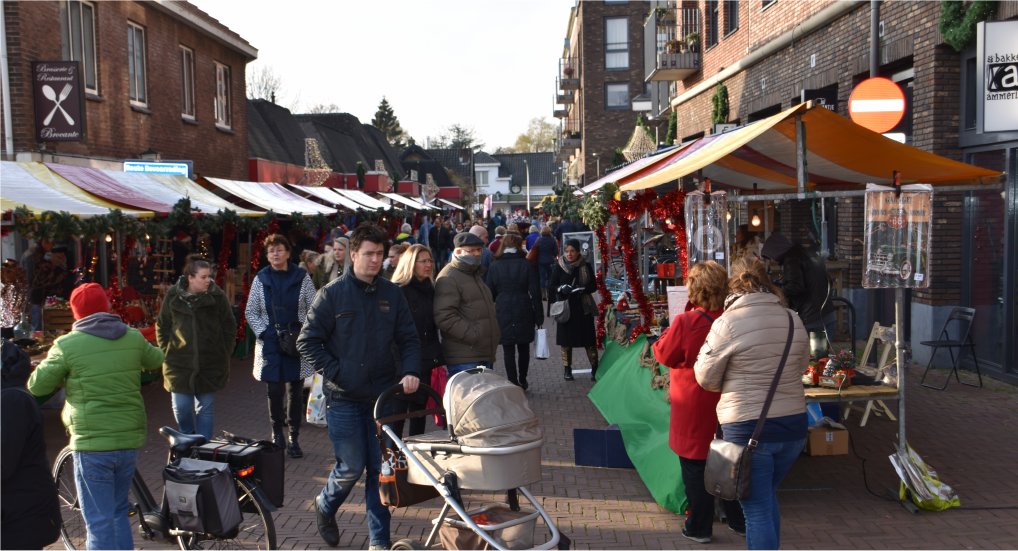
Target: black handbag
(286, 336)
(727, 474)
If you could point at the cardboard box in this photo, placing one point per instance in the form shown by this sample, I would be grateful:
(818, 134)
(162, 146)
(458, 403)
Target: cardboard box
(827, 441)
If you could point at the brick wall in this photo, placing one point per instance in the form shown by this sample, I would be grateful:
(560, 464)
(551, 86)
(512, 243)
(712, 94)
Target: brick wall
(604, 130)
(114, 129)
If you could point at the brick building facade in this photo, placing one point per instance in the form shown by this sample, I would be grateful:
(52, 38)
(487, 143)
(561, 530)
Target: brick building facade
(610, 72)
(205, 124)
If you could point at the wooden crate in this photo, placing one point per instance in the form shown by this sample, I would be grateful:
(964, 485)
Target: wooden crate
(57, 319)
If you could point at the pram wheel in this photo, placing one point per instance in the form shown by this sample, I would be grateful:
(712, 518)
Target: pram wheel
(407, 543)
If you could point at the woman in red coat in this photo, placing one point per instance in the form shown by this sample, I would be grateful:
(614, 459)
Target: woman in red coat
(694, 419)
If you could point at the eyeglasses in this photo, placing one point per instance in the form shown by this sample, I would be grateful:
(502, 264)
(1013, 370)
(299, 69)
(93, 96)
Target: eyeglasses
(425, 261)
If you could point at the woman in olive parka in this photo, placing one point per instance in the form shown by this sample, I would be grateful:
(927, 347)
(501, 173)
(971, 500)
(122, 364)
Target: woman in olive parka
(196, 331)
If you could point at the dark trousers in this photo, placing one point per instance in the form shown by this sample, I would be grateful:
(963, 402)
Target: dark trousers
(700, 521)
(515, 371)
(295, 406)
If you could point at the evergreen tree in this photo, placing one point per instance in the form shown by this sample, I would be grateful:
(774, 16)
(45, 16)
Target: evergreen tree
(673, 123)
(386, 121)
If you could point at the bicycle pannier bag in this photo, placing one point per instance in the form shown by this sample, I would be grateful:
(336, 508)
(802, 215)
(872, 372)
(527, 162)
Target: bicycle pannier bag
(241, 452)
(560, 311)
(202, 496)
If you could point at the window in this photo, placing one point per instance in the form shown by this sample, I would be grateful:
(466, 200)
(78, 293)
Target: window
(713, 13)
(79, 41)
(767, 3)
(222, 103)
(481, 178)
(731, 16)
(136, 64)
(616, 46)
(187, 82)
(616, 96)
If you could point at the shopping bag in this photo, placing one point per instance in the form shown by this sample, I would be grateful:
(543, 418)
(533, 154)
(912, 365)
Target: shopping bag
(316, 402)
(542, 351)
(439, 377)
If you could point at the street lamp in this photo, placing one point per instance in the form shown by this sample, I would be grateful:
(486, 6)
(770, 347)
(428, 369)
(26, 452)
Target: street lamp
(527, 165)
(598, 160)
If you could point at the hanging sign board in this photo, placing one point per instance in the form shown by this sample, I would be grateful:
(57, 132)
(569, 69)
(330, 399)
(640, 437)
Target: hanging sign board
(897, 241)
(588, 246)
(997, 61)
(181, 168)
(706, 228)
(59, 109)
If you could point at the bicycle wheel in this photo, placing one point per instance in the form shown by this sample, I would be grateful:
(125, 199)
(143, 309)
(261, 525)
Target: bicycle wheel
(72, 527)
(256, 530)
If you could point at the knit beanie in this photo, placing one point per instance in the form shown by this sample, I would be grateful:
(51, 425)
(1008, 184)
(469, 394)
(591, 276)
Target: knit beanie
(88, 299)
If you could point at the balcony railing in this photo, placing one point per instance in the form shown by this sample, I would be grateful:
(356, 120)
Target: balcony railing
(677, 45)
(565, 98)
(569, 73)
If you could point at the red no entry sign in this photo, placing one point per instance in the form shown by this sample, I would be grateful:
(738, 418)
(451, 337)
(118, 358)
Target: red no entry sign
(877, 103)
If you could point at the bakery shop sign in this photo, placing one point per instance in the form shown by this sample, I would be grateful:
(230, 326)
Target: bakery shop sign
(56, 87)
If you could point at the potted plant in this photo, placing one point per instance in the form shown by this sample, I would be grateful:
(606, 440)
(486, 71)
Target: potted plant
(674, 46)
(693, 41)
(661, 13)
(568, 71)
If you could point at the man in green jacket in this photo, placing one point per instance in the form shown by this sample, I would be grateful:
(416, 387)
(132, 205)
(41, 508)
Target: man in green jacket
(99, 365)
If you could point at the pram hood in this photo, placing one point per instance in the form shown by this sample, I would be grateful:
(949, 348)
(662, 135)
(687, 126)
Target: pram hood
(485, 410)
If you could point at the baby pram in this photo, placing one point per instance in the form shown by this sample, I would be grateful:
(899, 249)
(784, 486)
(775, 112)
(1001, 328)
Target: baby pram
(492, 442)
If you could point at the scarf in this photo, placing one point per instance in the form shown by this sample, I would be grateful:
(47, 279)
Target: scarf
(583, 278)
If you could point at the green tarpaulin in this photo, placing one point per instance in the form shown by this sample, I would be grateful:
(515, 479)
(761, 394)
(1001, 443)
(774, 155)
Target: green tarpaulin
(624, 397)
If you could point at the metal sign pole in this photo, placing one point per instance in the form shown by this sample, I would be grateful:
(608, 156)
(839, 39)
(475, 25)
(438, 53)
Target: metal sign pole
(899, 346)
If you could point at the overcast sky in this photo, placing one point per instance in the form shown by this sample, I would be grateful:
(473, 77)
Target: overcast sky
(485, 64)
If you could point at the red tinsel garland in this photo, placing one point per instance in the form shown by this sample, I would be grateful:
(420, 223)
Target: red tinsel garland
(672, 206)
(229, 234)
(256, 259)
(602, 288)
(627, 210)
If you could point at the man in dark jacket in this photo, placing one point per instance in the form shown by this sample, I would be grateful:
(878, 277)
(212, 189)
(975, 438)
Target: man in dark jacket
(31, 510)
(464, 309)
(352, 324)
(803, 280)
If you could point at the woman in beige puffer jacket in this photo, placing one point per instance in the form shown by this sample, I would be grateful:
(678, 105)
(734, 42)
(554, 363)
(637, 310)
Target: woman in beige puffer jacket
(739, 359)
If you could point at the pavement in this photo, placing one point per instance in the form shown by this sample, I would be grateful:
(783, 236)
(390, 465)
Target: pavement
(969, 435)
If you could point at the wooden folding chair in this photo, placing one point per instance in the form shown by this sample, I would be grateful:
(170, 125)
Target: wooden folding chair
(886, 337)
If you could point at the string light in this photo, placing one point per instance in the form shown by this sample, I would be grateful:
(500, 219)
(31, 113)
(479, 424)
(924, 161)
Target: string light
(109, 238)
(756, 219)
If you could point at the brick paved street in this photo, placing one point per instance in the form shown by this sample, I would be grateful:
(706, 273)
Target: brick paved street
(969, 435)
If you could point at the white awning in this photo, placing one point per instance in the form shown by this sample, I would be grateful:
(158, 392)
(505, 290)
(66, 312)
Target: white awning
(329, 195)
(417, 205)
(363, 198)
(190, 189)
(155, 189)
(39, 189)
(270, 196)
(451, 204)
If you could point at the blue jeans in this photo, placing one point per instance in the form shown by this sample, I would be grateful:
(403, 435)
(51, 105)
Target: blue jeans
(194, 413)
(103, 480)
(452, 369)
(352, 432)
(771, 462)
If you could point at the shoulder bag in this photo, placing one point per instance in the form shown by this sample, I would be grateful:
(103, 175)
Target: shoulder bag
(727, 474)
(287, 335)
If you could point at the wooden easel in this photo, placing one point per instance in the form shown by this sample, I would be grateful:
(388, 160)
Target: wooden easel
(886, 336)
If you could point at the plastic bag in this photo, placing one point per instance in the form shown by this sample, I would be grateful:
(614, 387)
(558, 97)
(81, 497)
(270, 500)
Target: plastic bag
(920, 483)
(316, 402)
(542, 351)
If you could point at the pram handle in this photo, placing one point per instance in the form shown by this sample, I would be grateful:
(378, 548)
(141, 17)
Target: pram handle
(395, 392)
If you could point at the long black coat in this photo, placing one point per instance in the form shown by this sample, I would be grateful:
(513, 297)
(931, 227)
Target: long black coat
(579, 330)
(420, 295)
(516, 289)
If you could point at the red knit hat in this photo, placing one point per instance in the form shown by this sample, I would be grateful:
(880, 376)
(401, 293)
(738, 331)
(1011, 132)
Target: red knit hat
(88, 299)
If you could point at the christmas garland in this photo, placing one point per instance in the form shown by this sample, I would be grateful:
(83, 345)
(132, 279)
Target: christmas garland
(669, 210)
(229, 234)
(627, 210)
(958, 22)
(256, 259)
(602, 288)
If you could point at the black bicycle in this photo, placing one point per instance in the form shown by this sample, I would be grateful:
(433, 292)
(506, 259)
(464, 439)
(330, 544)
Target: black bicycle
(148, 519)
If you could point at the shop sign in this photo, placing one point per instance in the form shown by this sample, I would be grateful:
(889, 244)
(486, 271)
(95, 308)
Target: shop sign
(147, 167)
(997, 52)
(57, 91)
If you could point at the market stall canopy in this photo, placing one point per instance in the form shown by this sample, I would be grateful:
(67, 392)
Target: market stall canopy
(155, 189)
(364, 199)
(412, 203)
(839, 154)
(39, 189)
(634, 169)
(328, 195)
(270, 196)
(451, 204)
(99, 182)
(200, 196)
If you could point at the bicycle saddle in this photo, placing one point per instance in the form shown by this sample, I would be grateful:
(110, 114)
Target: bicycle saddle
(180, 442)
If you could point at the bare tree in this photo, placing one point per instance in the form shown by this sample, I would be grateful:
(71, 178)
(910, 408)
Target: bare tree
(264, 83)
(321, 108)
